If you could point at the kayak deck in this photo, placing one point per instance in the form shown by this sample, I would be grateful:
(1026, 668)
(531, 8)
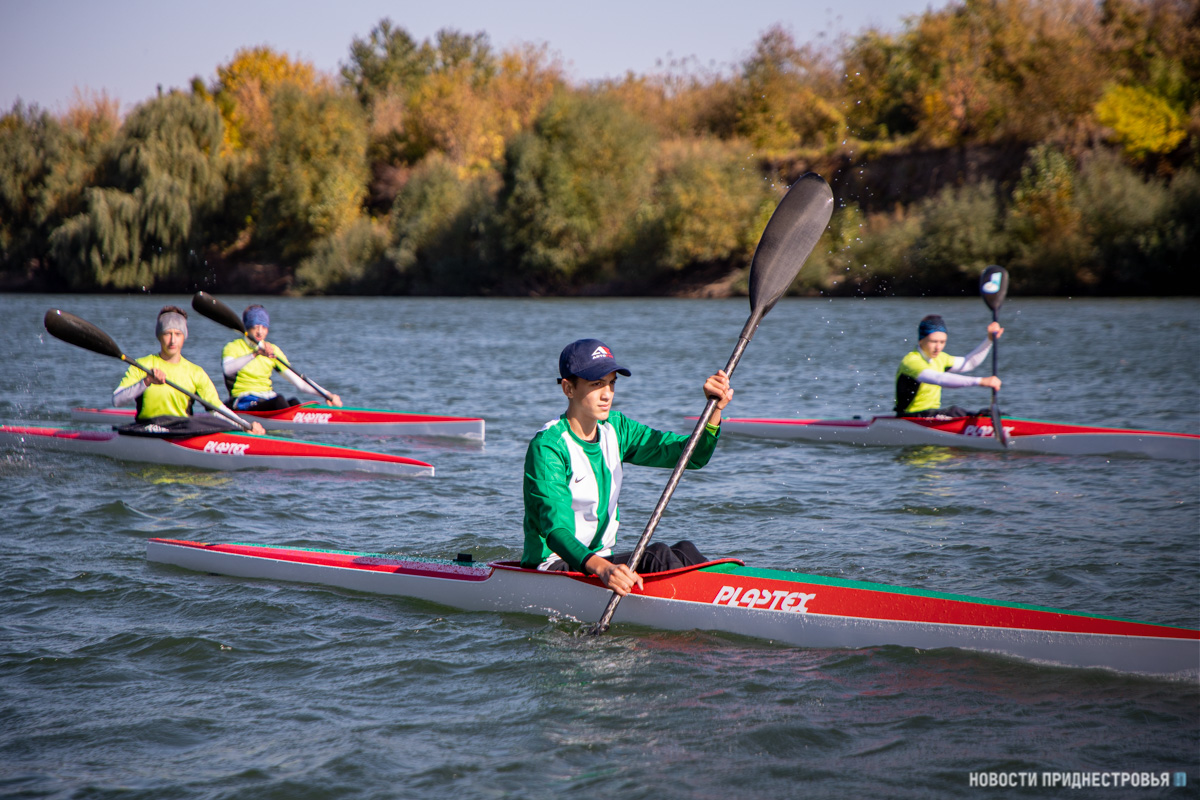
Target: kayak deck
(316, 417)
(975, 432)
(218, 451)
(787, 607)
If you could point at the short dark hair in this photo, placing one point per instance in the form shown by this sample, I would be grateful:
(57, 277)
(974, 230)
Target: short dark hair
(172, 309)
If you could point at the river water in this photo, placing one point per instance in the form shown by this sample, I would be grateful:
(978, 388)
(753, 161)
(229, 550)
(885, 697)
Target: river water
(125, 679)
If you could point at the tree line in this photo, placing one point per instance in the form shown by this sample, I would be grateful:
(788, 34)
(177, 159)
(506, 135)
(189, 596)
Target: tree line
(445, 166)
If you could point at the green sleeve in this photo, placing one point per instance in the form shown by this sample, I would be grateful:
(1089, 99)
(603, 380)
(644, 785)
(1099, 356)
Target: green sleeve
(549, 518)
(647, 447)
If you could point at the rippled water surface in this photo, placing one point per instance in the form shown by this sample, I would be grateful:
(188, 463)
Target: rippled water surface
(124, 679)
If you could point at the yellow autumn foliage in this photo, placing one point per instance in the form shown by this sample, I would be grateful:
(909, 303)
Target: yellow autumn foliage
(243, 92)
(1144, 123)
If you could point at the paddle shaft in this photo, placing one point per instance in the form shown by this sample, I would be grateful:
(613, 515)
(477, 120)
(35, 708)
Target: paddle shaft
(288, 366)
(234, 418)
(688, 449)
(997, 421)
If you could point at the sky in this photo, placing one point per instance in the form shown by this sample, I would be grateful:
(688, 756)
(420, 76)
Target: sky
(129, 48)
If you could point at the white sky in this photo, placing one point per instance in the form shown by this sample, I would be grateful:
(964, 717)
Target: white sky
(50, 48)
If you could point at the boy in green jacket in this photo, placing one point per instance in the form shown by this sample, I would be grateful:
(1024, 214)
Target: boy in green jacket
(573, 473)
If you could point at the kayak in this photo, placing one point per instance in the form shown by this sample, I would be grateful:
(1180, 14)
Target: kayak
(975, 432)
(317, 417)
(220, 451)
(726, 595)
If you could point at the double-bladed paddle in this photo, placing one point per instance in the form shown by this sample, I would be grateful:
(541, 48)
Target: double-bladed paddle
(993, 286)
(790, 235)
(81, 333)
(218, 312)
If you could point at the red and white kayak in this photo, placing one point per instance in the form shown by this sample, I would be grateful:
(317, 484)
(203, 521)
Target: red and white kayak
(788, 607)
(318, 417)
(220, 451)
(976, 432)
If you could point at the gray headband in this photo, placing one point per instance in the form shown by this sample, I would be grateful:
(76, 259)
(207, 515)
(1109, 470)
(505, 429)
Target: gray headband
(171, 321)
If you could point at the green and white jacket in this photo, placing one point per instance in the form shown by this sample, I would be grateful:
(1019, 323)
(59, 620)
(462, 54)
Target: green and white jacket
(571, 486)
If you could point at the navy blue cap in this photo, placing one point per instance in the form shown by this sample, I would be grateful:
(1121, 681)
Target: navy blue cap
(589, 359)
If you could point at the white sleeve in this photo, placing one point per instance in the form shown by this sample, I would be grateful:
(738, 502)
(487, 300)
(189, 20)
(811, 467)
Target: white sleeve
(947, 379)
(232, 366)
(129, 394)
(974, 359)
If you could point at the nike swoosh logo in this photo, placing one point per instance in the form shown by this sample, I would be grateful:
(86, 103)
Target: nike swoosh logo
(580, 478)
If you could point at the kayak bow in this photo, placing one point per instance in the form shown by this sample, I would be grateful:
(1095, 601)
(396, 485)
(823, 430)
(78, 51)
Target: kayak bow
(317, 417)
(975, 432)
(219, 451)
(788, 607)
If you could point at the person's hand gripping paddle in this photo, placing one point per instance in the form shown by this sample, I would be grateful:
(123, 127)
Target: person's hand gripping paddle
(993, 286)
(790, 235)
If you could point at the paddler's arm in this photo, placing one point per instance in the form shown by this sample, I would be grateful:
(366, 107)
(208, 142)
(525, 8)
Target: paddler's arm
(648, 447)
(951, 380)
(232, 366)
(134, 383)
(718, 386)
(976, 357)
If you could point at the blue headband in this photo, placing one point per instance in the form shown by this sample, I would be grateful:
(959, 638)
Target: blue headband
(931, 324)
(256, 315)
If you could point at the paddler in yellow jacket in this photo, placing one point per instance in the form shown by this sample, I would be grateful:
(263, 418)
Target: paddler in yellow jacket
(156, 401)
(248, 368)
(924, 371)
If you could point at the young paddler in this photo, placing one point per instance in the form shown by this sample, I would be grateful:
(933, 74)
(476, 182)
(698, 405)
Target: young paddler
(156, 401)
(248, 368)
(573, 473)
(924, 371)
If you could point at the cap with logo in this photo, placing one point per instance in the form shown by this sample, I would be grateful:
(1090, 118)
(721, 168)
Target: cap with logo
(589, 359)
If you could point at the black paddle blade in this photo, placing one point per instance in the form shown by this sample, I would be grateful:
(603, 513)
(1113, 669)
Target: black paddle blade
(789, 238)
(993, 286)
(217, 311)
(81, 333)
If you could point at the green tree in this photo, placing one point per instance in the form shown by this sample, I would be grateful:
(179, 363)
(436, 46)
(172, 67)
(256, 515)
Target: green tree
(148, 211)
(881, 85)
(439, 230)
(709, 207)
(783, 105)
(388, 60)
(1045, 223)
(313, 174)
(961, 233)
(350, 261)
(48, 161)
(571, 188)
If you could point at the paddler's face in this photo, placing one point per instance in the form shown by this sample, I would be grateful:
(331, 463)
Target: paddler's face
(591, 398)
(257, 332)
(933, 344)
(171, 342)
